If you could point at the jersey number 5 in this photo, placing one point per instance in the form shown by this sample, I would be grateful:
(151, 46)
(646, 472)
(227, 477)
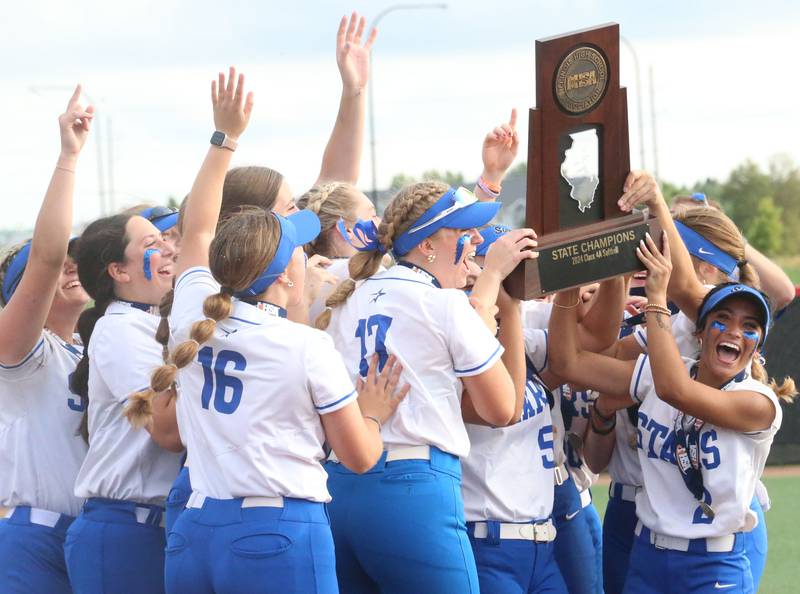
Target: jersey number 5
(379, 326)
(214, 372)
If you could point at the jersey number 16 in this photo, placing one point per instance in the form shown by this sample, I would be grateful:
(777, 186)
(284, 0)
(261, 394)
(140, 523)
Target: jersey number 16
(214, 373)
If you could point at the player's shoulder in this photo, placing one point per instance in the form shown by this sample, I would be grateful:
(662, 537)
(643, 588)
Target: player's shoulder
(123, 326)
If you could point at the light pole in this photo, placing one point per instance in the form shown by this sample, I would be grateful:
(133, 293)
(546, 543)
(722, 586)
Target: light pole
(101, 163)
(639, 106)
(371, 97)
(653, 124)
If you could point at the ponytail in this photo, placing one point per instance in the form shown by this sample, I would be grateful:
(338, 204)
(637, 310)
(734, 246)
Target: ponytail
(406, 207)
(216, 308)
(79, 380)
(361, 266)
(785, 392)
(748, 275)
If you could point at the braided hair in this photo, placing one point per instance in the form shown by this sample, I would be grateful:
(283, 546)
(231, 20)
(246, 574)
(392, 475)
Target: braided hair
(243, 247)
(330, 202)
(408, 205)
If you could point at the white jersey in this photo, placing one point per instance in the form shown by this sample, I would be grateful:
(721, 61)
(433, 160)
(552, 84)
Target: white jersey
(624, 465)
(250, 405)
(437, 337)
(731, 464)
(535, 314)
(683, 330)
(508, 475)
(123, 462)
(40, 447)
(339, 269)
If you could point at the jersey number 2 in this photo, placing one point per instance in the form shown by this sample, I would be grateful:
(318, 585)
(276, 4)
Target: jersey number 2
(379, 326)
(214, 373)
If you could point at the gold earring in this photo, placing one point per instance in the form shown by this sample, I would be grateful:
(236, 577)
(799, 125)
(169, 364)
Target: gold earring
(290, 284)
(431, 258)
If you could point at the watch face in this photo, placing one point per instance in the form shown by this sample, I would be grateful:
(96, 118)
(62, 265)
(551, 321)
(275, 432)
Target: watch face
(218, 138)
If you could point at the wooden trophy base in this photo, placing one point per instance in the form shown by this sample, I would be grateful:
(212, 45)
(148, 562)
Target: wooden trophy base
(583, 255)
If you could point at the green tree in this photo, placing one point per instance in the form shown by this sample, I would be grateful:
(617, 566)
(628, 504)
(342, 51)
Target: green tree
(400, 180)
(785, 176)
(670, 190)
(451, 178)
(741, 193)
(764, 231)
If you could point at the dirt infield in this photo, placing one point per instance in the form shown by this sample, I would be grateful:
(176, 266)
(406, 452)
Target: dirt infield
(779, 471)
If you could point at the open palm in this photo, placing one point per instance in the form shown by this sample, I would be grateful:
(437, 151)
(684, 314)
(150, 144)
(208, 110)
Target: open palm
(352, 57)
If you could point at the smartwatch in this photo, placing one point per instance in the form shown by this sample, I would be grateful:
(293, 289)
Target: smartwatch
(221, 140)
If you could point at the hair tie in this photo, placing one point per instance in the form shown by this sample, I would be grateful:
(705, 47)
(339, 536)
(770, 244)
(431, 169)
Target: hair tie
(742, 263)
(227, 291)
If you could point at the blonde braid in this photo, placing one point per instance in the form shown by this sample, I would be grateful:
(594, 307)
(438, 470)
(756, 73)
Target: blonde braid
(331, 202)
(785, 392)
(216, 308)
(406, 207)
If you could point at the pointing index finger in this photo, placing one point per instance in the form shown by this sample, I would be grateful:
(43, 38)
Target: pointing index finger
(512, 121)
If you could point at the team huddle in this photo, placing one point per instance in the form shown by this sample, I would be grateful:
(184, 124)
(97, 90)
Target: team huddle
(256, 394)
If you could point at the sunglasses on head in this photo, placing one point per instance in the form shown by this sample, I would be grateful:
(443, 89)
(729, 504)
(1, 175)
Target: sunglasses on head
(460, 198)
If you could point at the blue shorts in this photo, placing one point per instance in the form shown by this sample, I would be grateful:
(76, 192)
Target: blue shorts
(576, 548)
(222, 547)
(178, 497)
(663, 571)
(108, 550)
(399, 528)
(33, 555)
(515, 566)
(755, 544)
(618, 534)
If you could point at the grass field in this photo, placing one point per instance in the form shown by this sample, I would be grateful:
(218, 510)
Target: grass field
(790, 265)
(782, 575)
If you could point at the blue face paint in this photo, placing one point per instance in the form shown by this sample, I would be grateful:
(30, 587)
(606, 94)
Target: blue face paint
(462, 242)
(148, 273)
(750, 335)
(717, 325)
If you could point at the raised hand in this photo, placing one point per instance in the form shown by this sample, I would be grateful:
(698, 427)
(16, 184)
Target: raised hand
(639, 188)
(74, 124)
(659, 267)
(500, 149)
(509, 250)
(316, 277)
(351, 57)
(231, 107)
(378, 395)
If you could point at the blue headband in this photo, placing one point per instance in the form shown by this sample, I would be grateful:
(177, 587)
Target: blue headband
(490, 235)
(737, 290)
(703, 249)
(15, 270)
(458, 208)
(163, 217)
(297, 229)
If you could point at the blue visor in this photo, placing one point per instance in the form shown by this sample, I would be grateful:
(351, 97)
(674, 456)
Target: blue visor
(490, 235)
(163, 217)
(703, 249)
(738, 290)
(457, 209)
(15, 271)
(297, 229)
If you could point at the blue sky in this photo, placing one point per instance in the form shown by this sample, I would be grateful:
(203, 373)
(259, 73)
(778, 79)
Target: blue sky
(725, 87)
